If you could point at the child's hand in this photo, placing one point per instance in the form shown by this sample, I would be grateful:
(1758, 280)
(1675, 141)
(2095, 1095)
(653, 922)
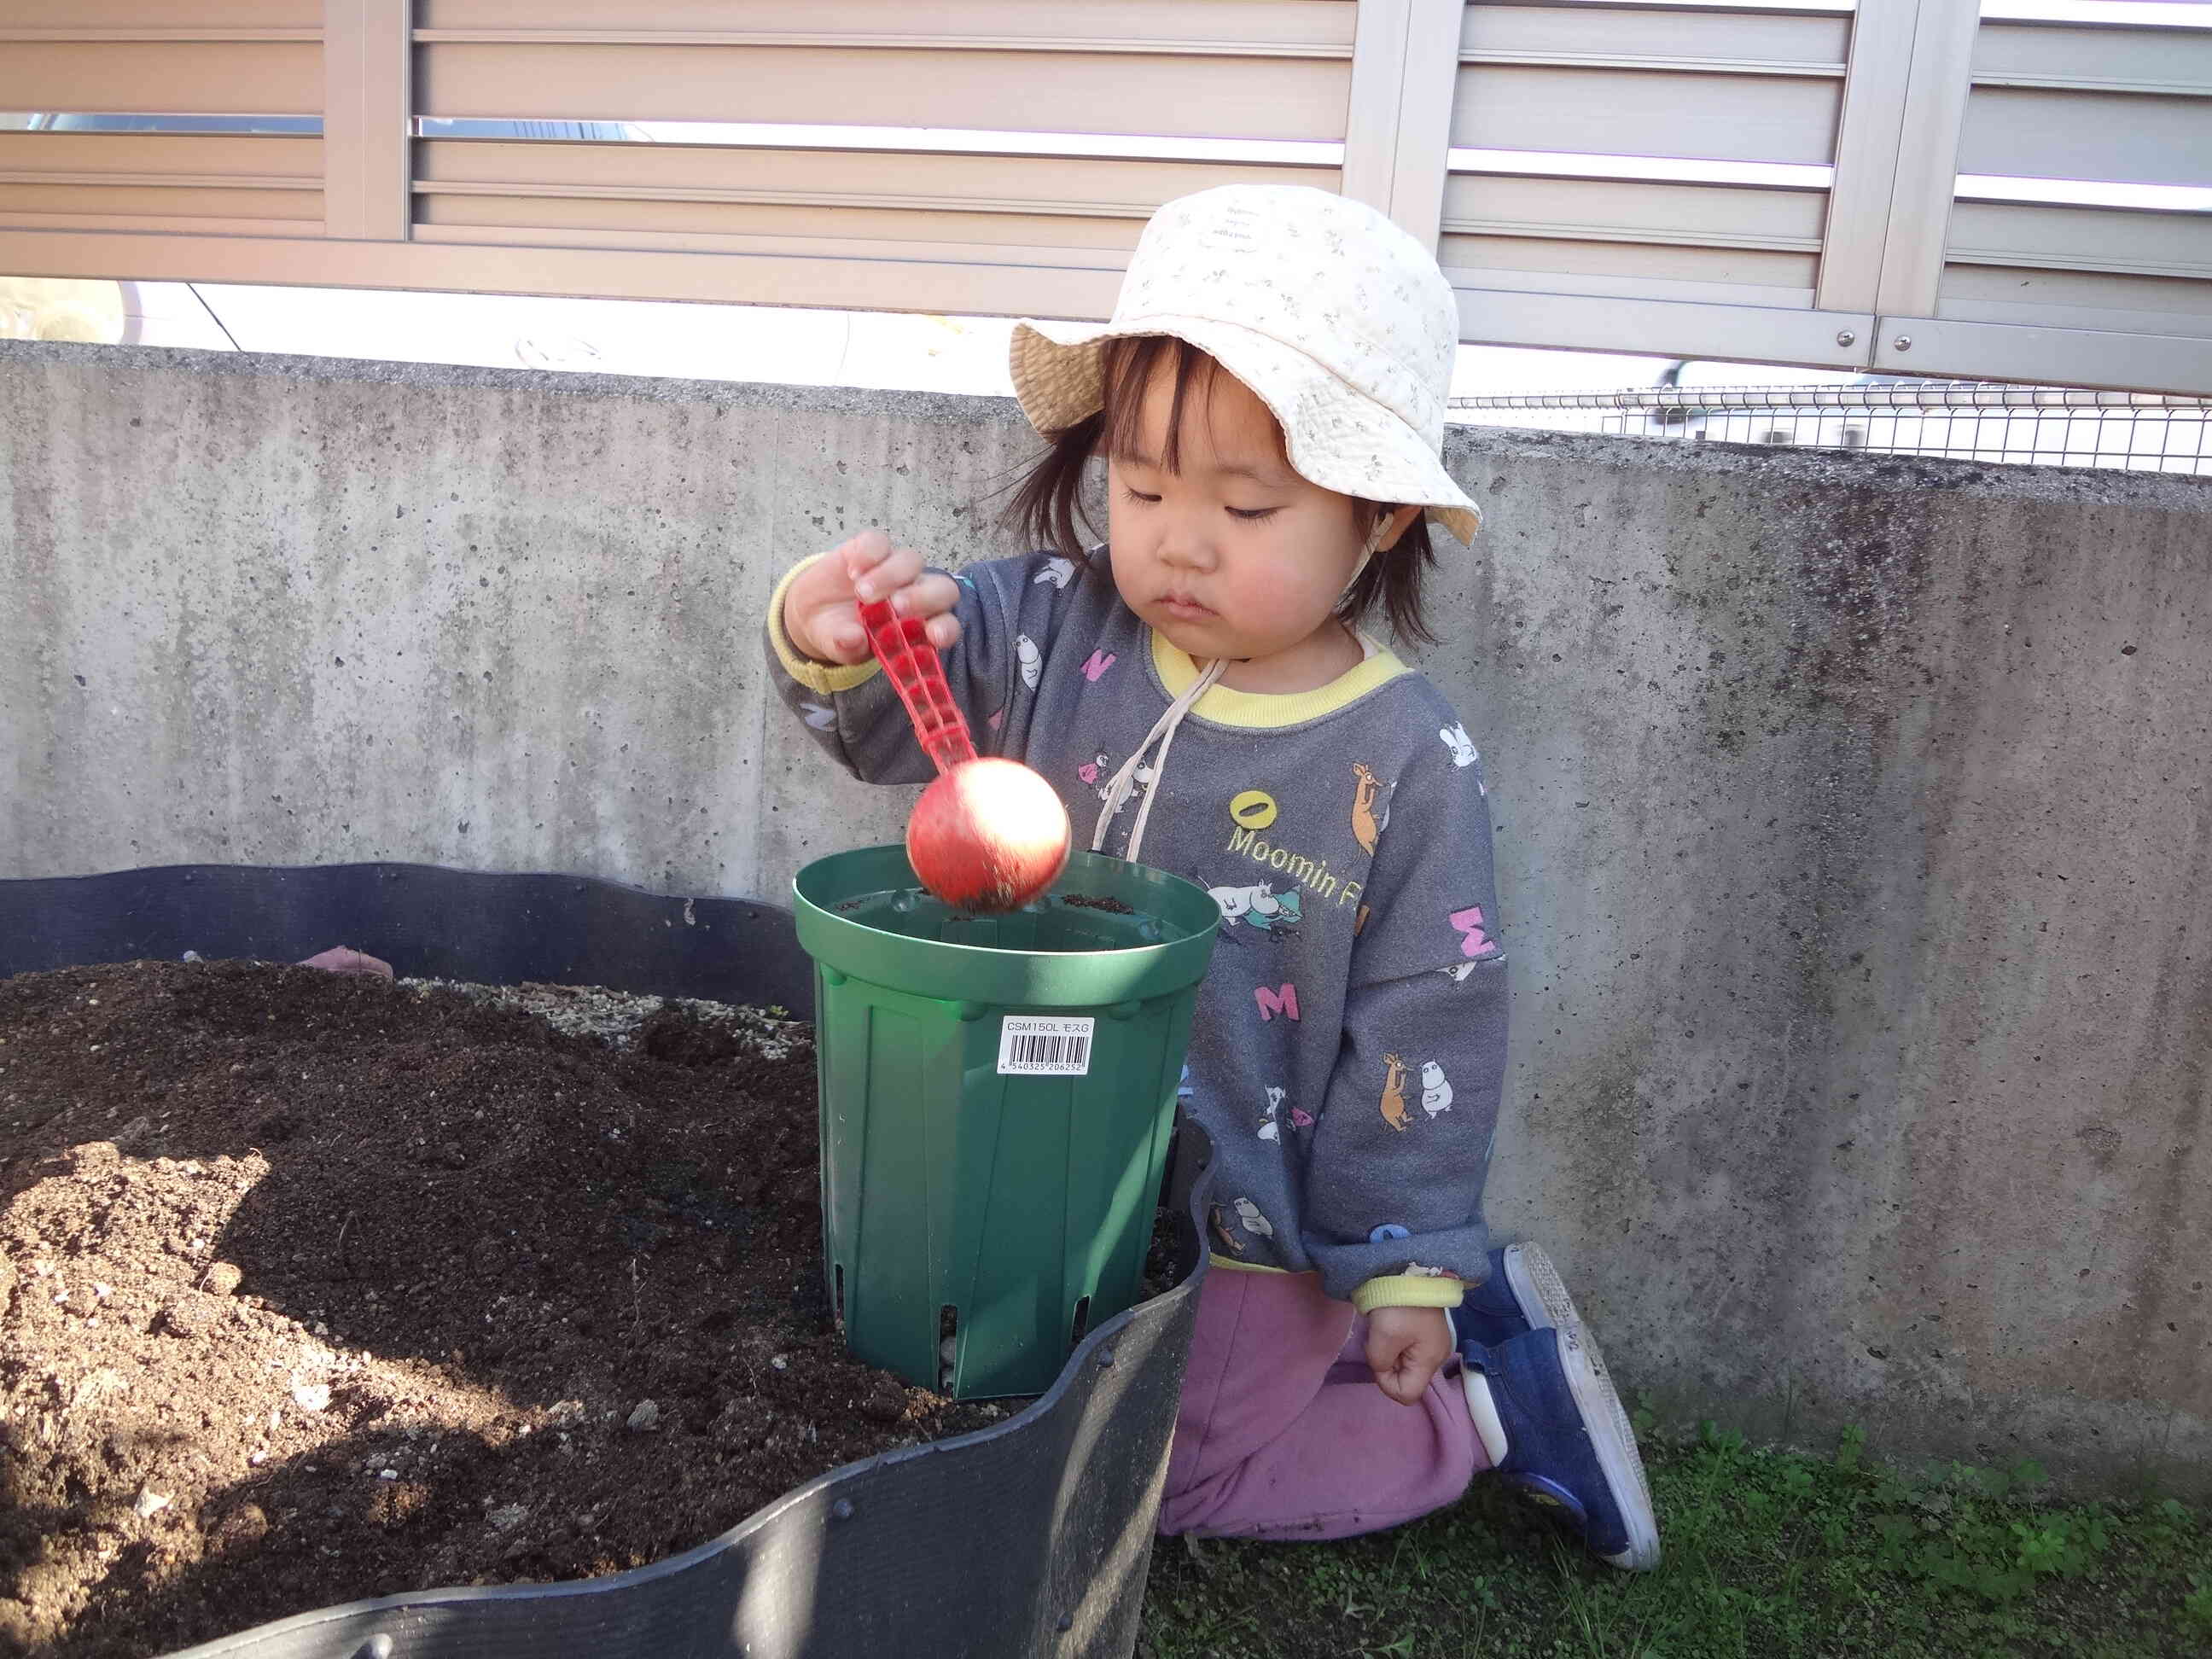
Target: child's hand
(821, 608)
(1405, 1346)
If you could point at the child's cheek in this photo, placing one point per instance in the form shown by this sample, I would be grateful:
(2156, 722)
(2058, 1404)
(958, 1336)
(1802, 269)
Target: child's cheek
(1131, 577)
(1285, 599)
(1126, 533)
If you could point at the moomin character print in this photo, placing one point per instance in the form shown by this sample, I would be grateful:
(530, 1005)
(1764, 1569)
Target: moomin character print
(1031, 659)
(1462, 748)
(1056, 571)
(1249, 1214)
(1367, 824)
(1394, 1093)
(819, 717)
(1259, 907)
(1435, 1089)
(1098, 773)
(1271, 1129)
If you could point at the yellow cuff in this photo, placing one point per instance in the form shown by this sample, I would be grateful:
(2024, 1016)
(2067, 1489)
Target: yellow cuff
(1230, 1264)
(1408, 1290)
(827, 678)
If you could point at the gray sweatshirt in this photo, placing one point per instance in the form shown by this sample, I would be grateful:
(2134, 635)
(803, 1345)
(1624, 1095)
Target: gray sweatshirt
(1348, 1048)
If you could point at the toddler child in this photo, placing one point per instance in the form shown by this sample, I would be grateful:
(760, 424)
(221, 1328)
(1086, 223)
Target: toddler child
(1268, 402)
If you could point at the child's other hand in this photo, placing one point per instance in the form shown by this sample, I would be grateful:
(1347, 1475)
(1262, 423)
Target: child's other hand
(821, 608)
(1405, 1347)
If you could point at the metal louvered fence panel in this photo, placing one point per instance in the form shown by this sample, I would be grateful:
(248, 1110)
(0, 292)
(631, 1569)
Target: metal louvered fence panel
(1905, 186)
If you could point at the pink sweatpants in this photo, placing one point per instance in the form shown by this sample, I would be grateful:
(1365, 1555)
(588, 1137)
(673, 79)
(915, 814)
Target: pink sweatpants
(1282, 1433)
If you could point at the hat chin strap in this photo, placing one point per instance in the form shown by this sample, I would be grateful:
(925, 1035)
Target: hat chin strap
(1374, 546)
(1124, 781)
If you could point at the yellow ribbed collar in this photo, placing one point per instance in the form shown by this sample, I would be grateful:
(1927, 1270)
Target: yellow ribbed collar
(1267, 708)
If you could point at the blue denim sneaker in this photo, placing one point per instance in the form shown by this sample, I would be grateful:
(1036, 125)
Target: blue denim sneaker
(1523, 1292)
(1568, 1442)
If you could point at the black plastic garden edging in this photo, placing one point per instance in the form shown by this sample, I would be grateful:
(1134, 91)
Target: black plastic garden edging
(1027, 1539)
(423, 919)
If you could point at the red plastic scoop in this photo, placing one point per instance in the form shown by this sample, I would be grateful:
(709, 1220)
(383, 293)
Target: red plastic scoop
(988, 834)
(902, 645)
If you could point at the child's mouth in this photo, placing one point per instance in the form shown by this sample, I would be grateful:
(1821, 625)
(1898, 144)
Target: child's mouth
(1184, 610)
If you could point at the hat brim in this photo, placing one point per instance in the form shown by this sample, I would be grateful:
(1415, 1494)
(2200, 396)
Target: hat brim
(1332, 435)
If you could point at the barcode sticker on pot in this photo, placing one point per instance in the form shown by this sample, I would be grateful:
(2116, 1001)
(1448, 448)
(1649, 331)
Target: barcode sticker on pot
(1033, 1045)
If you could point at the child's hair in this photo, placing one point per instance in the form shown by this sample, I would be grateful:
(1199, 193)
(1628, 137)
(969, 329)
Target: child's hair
(1048, 503)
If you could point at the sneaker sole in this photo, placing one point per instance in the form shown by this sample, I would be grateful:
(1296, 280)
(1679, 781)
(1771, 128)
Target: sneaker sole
(1542, 1294)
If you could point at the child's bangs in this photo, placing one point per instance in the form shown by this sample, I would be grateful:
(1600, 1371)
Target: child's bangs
(1126, 367)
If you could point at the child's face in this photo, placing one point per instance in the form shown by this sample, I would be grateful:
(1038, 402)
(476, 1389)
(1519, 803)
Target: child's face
(1234, 554)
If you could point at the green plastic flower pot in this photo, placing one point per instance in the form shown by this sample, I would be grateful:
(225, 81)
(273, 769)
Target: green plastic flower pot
(997, 1094)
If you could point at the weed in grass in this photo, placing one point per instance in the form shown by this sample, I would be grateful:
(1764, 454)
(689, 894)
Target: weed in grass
(1769, 1555)
(2196, 1606)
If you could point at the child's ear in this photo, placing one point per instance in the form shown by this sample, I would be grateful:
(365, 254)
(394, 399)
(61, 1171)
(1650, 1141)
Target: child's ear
(1400, 519)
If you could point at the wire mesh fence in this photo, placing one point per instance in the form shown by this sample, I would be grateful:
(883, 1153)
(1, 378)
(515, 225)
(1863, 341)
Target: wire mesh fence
(2050, 426)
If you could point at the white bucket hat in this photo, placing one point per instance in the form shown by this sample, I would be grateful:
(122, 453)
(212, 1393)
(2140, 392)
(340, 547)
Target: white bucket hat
(1334, 318)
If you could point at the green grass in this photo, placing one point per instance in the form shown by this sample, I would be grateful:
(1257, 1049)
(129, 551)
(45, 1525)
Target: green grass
(1768, 1554)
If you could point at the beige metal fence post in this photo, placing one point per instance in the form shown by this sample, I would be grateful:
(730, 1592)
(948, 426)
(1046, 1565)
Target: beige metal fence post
(1397, 145)
(1919, 209)
(1869, 134)
(367, 118)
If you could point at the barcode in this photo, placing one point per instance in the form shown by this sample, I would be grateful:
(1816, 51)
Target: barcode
(1038, 1046)
(1054, 1051)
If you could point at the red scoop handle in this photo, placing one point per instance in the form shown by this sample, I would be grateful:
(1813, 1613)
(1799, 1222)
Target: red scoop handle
(902, 645)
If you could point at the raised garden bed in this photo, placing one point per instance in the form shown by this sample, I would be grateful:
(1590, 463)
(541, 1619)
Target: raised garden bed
(326, 1287)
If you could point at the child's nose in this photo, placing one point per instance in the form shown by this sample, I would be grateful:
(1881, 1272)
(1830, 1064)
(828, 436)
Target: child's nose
(1188, 544)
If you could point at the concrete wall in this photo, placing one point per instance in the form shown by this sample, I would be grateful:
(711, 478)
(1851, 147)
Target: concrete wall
(1853, 813)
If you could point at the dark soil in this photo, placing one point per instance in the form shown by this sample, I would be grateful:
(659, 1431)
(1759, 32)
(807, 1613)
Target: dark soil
(317, 1286)
(1086, 902)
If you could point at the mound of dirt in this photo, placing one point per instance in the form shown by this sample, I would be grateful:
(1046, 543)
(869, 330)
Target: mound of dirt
(316, 1286)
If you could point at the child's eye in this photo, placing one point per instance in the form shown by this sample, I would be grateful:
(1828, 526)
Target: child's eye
(1253, 515)
(1129, 495)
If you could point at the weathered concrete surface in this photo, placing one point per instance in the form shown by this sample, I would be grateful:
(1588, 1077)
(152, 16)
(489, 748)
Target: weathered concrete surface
(1858, 831)
(1853, 822)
